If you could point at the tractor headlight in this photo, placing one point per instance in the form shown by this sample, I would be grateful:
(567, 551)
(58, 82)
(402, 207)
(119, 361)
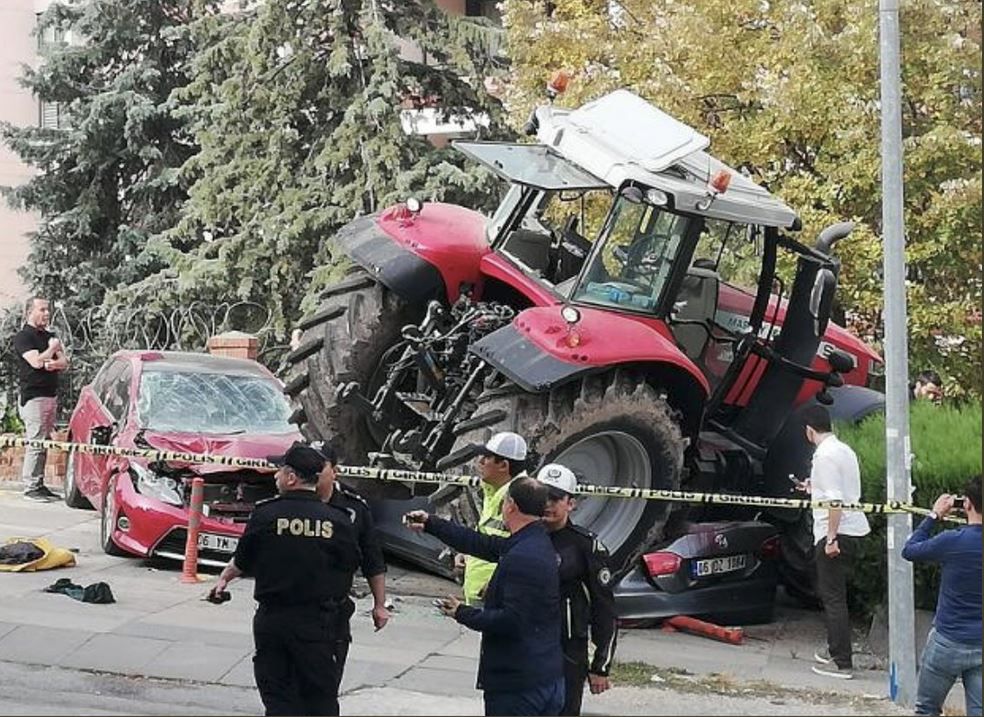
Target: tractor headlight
(162, 488)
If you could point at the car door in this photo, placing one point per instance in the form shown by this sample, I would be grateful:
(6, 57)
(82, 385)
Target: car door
(116, 405)
(93, 413)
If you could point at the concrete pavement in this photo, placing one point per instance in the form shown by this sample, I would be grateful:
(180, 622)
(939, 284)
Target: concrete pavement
(422, 663)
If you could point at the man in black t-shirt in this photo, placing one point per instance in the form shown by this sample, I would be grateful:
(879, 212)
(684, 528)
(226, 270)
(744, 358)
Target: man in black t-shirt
(42, 358)
(302, 554)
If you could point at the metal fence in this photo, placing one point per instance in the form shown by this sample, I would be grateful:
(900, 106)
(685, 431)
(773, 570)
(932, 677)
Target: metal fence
(91, 336)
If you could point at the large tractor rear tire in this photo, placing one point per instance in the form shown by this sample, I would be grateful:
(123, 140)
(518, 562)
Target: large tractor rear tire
(351, 337)
(610, 429)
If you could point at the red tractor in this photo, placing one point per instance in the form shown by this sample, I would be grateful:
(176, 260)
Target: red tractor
(633, 308)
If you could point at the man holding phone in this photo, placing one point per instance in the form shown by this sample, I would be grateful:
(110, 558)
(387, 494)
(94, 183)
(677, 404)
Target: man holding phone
(521, 665)
(837, 533)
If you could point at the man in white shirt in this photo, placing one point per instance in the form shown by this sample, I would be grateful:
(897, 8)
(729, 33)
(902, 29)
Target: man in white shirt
(836, 535)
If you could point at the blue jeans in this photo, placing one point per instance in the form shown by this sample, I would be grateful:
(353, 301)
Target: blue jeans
(545, 699)
(943, 661)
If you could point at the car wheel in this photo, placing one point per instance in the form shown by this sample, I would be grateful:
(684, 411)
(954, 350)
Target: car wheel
(108, 520)
(73, 496)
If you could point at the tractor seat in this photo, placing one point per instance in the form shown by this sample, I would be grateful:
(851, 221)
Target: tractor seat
(697, 301)
(530, 247)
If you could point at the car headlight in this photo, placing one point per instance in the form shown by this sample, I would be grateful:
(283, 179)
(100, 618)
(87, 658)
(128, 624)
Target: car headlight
(162, 488)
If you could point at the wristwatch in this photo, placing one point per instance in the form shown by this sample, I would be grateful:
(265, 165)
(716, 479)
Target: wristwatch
(934, 515)
(831, 542)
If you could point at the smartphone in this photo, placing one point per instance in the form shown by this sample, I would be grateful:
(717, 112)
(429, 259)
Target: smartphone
(793, 479)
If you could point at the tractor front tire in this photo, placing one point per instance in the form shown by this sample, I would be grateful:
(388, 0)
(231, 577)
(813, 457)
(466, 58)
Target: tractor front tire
(611, 429)
(347, 339)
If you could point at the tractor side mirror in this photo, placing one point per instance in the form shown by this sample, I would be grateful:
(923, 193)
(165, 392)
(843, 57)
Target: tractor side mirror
(840, 361)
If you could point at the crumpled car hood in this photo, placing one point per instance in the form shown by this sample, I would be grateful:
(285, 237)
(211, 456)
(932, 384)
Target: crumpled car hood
(240, 446)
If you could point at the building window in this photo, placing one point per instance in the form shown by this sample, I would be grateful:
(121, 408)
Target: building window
(482, 8)
(50, 114)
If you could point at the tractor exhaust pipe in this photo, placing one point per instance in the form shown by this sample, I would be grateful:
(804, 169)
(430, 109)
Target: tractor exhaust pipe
(833, 234)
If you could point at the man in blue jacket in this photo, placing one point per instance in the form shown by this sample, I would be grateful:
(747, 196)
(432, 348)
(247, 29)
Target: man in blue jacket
(521, 665)
(953, 648)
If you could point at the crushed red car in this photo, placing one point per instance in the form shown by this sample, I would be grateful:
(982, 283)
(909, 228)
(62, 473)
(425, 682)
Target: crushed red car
(175, 401)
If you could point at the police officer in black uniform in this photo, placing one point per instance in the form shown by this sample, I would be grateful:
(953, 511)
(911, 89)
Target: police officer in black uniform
(585, 591)
(373, 566)
(302, 554)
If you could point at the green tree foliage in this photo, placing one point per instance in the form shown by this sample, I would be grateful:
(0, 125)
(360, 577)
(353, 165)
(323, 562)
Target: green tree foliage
(946, 445)
(107, 178)
(789, 91)
(296, 106)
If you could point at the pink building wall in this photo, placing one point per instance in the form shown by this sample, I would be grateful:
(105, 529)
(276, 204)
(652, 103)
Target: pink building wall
(17, 106)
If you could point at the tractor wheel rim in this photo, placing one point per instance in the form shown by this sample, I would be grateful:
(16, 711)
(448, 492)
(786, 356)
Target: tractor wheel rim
(611, 458)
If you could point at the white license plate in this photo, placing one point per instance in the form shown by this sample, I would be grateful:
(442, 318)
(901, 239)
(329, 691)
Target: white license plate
(716, 566)
(221, 543)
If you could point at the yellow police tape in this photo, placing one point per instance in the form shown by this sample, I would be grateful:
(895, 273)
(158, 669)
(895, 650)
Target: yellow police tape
(409, 476)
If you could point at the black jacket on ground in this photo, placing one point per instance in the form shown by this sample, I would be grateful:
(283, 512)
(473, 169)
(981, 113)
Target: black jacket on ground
(520, 616)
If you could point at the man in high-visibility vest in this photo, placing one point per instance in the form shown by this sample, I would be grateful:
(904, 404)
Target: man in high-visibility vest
(501, 459)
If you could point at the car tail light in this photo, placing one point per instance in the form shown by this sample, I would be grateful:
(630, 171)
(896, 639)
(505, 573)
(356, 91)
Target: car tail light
(771, 548)
(662, 563)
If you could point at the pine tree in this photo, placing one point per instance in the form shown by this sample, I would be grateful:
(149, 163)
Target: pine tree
(107, 178)
(296, 106)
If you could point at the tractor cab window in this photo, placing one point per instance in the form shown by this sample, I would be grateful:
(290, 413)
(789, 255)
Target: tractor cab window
(730, 250)
(634, 261)
(553, 238)
(716, 296)
(552, 211)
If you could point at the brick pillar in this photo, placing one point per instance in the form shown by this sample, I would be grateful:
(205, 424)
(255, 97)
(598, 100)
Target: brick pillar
(54, 469)
(234, 344)
(12, 461)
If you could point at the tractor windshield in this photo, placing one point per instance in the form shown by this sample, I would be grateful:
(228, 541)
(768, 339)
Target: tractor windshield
(632, 263)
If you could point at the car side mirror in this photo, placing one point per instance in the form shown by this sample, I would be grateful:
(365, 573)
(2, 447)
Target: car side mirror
(101, 435)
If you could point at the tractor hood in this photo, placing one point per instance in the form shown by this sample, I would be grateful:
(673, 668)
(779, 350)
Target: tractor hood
(539, 348)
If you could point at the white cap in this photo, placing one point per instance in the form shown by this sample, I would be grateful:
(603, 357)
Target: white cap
(554, 475)
(506, 445)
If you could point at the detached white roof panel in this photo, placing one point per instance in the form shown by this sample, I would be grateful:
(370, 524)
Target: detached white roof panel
(636, 130)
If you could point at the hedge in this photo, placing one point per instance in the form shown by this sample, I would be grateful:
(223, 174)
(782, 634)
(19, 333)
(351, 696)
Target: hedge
(946, 441)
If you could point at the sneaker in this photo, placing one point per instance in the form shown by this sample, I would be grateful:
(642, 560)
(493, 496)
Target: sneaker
(822, 655)
(832, 670)
(48, 493)
(36, 495)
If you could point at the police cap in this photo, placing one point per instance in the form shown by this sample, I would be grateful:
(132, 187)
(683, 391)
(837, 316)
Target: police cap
(303, 460)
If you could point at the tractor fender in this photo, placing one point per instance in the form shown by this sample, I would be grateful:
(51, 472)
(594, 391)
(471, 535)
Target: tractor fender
(789, 453)
(535, 352)
(419, 256)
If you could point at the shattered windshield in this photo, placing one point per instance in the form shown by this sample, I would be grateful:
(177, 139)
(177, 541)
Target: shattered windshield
(211, 403)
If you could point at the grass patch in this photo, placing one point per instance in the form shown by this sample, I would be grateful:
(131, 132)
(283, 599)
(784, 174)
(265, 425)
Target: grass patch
(640, 674)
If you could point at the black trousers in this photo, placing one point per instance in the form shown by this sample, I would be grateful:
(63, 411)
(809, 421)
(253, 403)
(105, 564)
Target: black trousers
(294, 664)
(575, 673)
(343, 637)
(832, 588)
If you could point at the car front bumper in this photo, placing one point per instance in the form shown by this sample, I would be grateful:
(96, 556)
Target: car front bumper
(160, 529)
